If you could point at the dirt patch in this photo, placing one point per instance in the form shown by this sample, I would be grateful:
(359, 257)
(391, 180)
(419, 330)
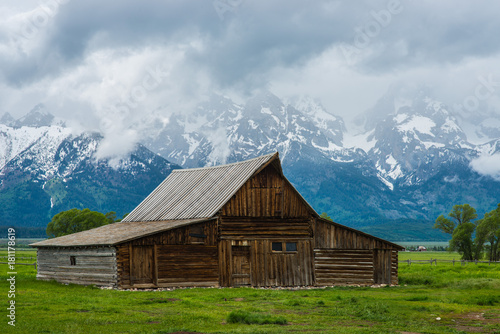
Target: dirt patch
(474, 322)
(470, 329)
(239, 299)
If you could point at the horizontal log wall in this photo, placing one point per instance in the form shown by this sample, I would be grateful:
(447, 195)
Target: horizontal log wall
(268, 228)
(193, 261)
(91, 265)
(339, 267)
(338, 237)
(266, 194)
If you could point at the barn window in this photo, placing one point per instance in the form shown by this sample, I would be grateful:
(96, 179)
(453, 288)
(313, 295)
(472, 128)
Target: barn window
(291, 246)
(197, 235)
(277, 246)
(72, 260)
(284, 246)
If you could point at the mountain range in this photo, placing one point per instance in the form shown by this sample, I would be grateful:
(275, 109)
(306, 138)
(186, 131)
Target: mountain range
(410, 160)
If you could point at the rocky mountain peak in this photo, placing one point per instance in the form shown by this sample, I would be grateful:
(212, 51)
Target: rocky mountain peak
(37, 117)
(7, 119)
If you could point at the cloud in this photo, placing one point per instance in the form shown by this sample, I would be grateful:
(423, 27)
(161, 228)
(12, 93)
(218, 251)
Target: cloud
(90, 58)
(487, 165)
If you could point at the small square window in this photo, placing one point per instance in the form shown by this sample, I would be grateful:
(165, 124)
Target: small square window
(277, 246)
(72, 260)
(291, 246)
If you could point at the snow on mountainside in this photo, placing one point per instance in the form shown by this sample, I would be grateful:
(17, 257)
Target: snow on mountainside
(412, 159)
(223, 131)
(411, 149)
(411, 143)
(45, 169)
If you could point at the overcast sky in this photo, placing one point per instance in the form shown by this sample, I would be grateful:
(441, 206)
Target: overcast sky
(84, 58)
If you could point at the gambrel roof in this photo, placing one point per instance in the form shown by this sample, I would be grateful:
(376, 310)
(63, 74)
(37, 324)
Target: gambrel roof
(199, 192)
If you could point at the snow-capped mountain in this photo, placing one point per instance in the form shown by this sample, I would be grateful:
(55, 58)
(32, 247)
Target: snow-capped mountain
(411, 150)
(45, 169)
(412, 161)
(223, 131)
(411, 144)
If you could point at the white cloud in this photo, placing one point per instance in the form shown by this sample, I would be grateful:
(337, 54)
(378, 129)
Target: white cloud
(92, 56)
(487, 165)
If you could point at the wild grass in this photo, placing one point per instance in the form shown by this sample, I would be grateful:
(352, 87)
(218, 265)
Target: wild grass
(463, 298)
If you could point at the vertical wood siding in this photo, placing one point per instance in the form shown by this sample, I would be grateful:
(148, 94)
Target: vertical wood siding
(266, 194)
(185, 256)
(337, 237)
(92, 265)
(394, 268)
(266, 267)
(382, 266)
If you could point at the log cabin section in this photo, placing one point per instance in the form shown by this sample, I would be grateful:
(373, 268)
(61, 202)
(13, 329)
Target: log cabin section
(241, 224)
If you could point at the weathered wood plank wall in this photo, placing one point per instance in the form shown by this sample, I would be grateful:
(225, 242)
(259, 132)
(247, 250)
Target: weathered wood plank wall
(186, 256)
(265, 210)
(340, 266)
(266, 194)
(332, 236)
(89, 265)
(330, 239)
(265, 227)
(394, 268)
(266, 267)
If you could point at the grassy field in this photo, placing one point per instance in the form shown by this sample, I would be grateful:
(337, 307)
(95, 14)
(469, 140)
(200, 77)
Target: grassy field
(429, 299)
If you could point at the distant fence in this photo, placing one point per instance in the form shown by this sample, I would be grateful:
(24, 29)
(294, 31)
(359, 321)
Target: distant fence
(462, 262)
(24, 264)
(31, 258)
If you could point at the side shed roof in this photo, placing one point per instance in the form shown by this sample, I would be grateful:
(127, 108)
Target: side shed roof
(197, 192)
(113, 234)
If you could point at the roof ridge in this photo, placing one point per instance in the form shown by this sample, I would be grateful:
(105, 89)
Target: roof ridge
(225, 165)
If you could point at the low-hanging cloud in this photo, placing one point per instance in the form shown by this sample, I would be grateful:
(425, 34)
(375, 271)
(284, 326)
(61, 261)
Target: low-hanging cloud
(487, 165)
(92, 61)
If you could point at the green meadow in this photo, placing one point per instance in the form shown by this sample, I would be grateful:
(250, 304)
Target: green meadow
(438, 298)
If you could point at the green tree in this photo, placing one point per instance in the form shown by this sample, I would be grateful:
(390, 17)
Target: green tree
(111, 217)
(75, 220)
(488, 231)
(461, 228)
(323, 215)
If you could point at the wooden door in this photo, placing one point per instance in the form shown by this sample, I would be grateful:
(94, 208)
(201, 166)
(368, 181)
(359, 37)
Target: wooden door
(241, 265)
(142, 269)
(382, 266)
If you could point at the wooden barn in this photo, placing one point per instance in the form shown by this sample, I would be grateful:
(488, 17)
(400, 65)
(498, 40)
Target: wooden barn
(241, 224)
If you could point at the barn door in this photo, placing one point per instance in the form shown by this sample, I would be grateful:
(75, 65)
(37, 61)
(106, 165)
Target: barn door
(241, 265)
(142, 265)
(382, 266)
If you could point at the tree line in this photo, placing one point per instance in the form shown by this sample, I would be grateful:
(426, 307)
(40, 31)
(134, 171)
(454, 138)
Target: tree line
(473, 240)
